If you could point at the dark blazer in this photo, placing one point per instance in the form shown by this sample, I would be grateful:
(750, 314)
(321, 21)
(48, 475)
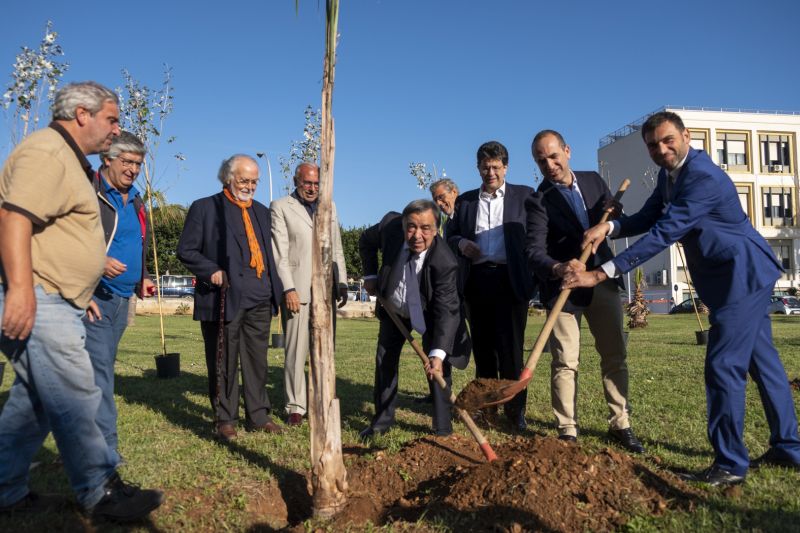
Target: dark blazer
(517, 204)
(554, 235)
(208, 243)
(441, 305)
(727, 258)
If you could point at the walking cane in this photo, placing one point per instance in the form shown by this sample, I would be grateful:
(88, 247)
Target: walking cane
(223, 290)
(486, 448)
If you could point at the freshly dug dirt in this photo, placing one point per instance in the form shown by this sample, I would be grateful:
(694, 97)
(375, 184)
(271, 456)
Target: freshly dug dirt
(480, 392)
(795, 384)
(537, 484)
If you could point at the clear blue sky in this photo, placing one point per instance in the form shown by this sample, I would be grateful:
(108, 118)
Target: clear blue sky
(416, 80)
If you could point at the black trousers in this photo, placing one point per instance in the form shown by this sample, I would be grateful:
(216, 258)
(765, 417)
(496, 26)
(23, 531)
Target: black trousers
(246, 340)
(497, 325)
(387, 362)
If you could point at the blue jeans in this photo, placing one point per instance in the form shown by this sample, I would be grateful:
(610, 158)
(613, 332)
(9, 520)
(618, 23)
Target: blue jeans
(102, 340)
(54, 391)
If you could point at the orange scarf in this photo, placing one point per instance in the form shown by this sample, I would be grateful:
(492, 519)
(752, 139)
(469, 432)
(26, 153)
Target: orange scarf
(256, 259)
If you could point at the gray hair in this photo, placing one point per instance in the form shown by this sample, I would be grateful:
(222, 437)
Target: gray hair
(420, 206)
(449, 184)
(225, 174)
(125, 142)
(89, 95)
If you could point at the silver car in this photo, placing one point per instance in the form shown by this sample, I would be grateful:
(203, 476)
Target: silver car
(787, 305)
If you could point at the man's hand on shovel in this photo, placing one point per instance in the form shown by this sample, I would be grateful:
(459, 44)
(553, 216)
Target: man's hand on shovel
(434, 365)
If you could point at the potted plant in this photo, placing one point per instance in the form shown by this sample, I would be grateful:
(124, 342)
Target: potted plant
(637, 309)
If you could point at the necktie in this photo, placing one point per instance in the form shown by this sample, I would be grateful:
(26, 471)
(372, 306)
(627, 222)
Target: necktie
(577, 207)
(413, 299)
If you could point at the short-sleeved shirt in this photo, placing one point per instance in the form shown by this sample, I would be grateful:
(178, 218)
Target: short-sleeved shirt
(44, 180)
(126, 246)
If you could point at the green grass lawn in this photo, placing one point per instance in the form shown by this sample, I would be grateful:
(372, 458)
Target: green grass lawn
(165, 428)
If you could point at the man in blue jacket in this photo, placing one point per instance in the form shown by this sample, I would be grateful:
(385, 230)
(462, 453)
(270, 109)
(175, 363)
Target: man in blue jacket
(734, 269)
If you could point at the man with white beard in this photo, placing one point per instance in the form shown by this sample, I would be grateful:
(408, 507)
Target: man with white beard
(226, 242)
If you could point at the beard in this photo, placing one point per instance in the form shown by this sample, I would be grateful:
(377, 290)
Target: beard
(239, 195)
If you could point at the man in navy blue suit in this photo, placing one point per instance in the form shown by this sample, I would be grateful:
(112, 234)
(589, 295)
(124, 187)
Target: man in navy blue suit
(734, 269)
(488, 234)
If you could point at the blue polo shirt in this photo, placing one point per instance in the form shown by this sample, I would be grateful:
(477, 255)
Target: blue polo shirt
(126, 245)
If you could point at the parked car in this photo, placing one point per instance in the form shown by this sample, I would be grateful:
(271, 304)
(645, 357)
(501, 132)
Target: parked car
(685, 306)
(178, 286)
(787, 305)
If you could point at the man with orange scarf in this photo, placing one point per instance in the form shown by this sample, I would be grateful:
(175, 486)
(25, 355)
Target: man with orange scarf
(226, 243)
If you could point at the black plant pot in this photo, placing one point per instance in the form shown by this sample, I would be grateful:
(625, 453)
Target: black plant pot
(168, 366)
(277, 340)
(702, 337)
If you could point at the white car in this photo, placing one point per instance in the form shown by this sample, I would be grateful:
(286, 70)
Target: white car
(787, 305)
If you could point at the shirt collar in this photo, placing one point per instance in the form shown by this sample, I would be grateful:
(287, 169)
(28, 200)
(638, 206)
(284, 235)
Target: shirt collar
(133, 191)
(296, 196)
(87, 167)
(500, 192)
(573, 185)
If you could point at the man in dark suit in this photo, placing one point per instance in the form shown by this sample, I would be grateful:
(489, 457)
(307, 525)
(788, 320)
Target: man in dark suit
(568, 203)
(734, 270)
(418, 279)
(488, 231)
(226, 243)
(444, 192)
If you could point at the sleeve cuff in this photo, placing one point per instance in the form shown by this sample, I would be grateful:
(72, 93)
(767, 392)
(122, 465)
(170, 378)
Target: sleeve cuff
(437, 353)
(615, 228)
(371, 276)
(610, 269)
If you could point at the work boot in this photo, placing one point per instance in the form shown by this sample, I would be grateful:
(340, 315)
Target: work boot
(123, 502)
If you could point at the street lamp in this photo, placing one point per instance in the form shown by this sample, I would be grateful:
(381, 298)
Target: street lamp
(269, 171)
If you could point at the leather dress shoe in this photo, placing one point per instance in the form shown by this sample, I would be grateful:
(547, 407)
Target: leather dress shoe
(294, 420)
(773, 457)
(568, 438)
(626, 439)
(715, 476)
(268, 427)
(226, 431)
(370, 432)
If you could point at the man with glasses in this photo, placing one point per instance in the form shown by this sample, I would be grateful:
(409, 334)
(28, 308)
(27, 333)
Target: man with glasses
(417, 280)
(124, 221)
(226, 242)
(292, 229)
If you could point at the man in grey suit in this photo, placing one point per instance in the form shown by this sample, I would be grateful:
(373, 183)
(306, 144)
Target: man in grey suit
(292, 231)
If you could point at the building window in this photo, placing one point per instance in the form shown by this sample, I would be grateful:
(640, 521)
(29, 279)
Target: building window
(732, 153)
(775, 153)
(778, 206)
(745, 192)
(699, 140)
(783, 251)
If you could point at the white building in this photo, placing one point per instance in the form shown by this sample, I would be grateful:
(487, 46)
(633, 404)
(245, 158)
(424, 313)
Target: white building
(758, 150)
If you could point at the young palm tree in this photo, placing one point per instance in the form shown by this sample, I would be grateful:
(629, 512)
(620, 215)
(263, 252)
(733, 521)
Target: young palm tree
(637, 309)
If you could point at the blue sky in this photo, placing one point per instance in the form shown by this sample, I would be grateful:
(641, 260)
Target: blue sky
(416, 80)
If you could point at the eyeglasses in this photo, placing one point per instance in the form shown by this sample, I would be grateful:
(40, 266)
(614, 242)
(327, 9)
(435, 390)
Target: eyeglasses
(309, 184)
(130, 163)
(242, 183)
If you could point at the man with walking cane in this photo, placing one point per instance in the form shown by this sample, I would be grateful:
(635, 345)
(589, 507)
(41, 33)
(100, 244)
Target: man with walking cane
(226, 242)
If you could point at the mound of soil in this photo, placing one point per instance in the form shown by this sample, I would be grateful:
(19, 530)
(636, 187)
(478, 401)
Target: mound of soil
(538, 483)
(481, 391)
(795, 384)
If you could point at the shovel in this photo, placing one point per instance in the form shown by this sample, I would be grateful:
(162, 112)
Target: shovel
(507, 392)
(486, 448)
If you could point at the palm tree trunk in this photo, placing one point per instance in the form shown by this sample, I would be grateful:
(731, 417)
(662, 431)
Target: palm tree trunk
(328, 474)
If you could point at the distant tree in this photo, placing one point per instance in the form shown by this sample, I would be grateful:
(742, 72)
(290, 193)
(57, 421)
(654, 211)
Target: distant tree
(34, 80)
(352, 259)
(303, 151)
(168, 231)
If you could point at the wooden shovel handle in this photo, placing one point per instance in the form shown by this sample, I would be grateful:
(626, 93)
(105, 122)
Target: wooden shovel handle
(541, 340)
(486, 448)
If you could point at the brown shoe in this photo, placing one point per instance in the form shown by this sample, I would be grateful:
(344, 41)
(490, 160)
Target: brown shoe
(226, 431)
(268, 427)
(295, 419)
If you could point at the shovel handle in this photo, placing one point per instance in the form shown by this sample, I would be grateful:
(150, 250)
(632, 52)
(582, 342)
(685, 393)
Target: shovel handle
(486, 448)
(552, 316)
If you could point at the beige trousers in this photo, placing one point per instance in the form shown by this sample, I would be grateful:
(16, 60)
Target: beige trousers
(297, 338)
(604, 316)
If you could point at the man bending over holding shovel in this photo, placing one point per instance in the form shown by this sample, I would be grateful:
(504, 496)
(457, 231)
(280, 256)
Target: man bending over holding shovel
(417, 282)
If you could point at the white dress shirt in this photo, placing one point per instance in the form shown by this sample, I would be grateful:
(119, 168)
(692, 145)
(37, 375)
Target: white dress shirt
(489, 227)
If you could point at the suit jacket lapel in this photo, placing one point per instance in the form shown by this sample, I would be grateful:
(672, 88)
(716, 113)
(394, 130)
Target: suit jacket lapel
(555, 197)
(300, 209)
(471, 212)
